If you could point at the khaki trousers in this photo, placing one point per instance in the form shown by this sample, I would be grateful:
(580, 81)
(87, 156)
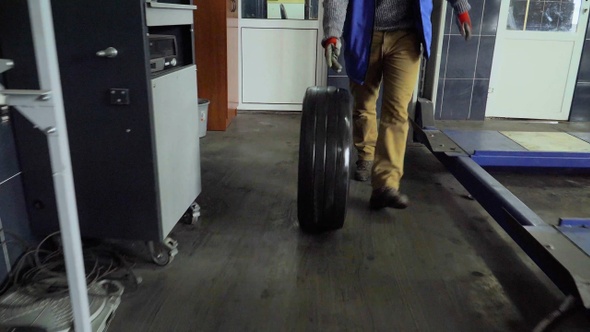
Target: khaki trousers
(395, 61)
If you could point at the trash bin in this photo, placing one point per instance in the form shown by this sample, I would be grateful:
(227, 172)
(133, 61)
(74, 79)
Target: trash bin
(203, 109)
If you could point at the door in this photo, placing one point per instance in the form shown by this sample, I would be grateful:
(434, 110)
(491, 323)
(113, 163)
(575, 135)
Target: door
(536, 58)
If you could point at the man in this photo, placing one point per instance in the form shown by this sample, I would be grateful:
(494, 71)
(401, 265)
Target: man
(383, 41)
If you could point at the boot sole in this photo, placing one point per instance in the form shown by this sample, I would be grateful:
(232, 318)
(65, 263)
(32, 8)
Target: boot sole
(375, 205)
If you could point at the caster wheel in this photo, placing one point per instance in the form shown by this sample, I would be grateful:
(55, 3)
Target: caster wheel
(163, 253)
(191, 216)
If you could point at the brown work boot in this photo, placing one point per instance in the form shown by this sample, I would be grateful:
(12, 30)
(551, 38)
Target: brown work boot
(363, 170)
(388, 197)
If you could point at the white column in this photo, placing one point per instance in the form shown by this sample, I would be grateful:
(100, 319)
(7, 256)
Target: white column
(49, 79)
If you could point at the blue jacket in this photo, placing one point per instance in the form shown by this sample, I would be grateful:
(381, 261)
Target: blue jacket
(358, 32)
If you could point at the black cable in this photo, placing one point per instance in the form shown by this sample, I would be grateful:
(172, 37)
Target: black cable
(41, 272)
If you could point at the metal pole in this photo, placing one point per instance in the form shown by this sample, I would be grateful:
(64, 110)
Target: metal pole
(433, 70)
(59, 149)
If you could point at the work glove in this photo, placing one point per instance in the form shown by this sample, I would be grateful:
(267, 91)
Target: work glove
(464, 24)
(332, 48)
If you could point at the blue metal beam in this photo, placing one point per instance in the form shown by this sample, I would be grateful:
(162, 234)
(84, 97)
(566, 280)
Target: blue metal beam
(574, 222)
(532, 159)
(490, 193)
(554, 252)
(525, 227)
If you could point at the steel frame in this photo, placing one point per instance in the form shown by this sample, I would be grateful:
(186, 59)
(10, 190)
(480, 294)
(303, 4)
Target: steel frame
(532, 159)
(565, 263)
(45, 109)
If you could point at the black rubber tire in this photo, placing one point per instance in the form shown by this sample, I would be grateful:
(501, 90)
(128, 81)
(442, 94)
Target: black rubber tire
(324, 159)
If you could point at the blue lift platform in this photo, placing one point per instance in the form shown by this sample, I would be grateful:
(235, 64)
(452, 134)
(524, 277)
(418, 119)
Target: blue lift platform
(561, 250)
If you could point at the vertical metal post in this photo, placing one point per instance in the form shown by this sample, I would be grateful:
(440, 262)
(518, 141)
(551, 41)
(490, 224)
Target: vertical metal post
(59, 149)
(432, 73)
(5, 248)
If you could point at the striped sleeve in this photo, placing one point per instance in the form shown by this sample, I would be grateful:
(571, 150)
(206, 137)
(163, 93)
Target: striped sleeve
(334, 16)
(460, 6)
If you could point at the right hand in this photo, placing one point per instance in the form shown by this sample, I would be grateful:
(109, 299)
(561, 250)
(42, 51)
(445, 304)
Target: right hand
(332, 48)
(464, 24)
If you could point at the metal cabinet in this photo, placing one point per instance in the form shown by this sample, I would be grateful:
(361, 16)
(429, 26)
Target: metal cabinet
(133, 133)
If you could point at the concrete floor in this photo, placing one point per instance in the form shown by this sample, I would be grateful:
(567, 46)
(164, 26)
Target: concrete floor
(440, 265)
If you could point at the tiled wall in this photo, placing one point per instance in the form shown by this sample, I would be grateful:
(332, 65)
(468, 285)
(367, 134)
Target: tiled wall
(466, 68)
(12, 204)
(466, 65)
(581, 104)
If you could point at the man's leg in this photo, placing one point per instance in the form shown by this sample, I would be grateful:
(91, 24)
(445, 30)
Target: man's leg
(364, 112)
(401, 62)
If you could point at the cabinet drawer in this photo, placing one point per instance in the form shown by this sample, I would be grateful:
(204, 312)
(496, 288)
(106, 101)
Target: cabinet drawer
(159, 14)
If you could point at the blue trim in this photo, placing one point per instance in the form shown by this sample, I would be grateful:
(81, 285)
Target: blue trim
(574, 222)
(489, 192)
(532, 159)
(357, 36)
(425, 24)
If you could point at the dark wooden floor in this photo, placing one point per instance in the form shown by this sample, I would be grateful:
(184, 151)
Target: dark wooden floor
(440, 265)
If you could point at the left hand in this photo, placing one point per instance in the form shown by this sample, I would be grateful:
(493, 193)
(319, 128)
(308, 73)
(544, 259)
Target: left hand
(332, 52)
(464, 23)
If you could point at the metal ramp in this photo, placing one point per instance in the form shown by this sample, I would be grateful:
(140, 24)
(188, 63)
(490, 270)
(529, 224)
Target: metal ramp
(561, 251)
(524, 148)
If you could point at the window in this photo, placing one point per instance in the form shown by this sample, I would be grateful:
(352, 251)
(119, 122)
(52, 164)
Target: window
(544, 15)
(280, 9)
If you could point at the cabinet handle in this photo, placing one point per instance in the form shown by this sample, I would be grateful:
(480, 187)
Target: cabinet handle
(109, 52)
(234, 6)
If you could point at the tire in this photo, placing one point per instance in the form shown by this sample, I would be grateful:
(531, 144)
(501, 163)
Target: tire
(324, 159)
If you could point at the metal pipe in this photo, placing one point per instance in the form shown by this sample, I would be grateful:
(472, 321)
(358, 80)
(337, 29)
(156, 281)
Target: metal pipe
(49, 79)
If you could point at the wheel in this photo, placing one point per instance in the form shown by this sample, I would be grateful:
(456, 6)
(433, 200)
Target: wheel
(163, 253)
(324, 157)
(191, 216)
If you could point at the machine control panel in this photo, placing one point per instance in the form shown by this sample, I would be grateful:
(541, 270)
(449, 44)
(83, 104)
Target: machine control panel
(163, 52)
